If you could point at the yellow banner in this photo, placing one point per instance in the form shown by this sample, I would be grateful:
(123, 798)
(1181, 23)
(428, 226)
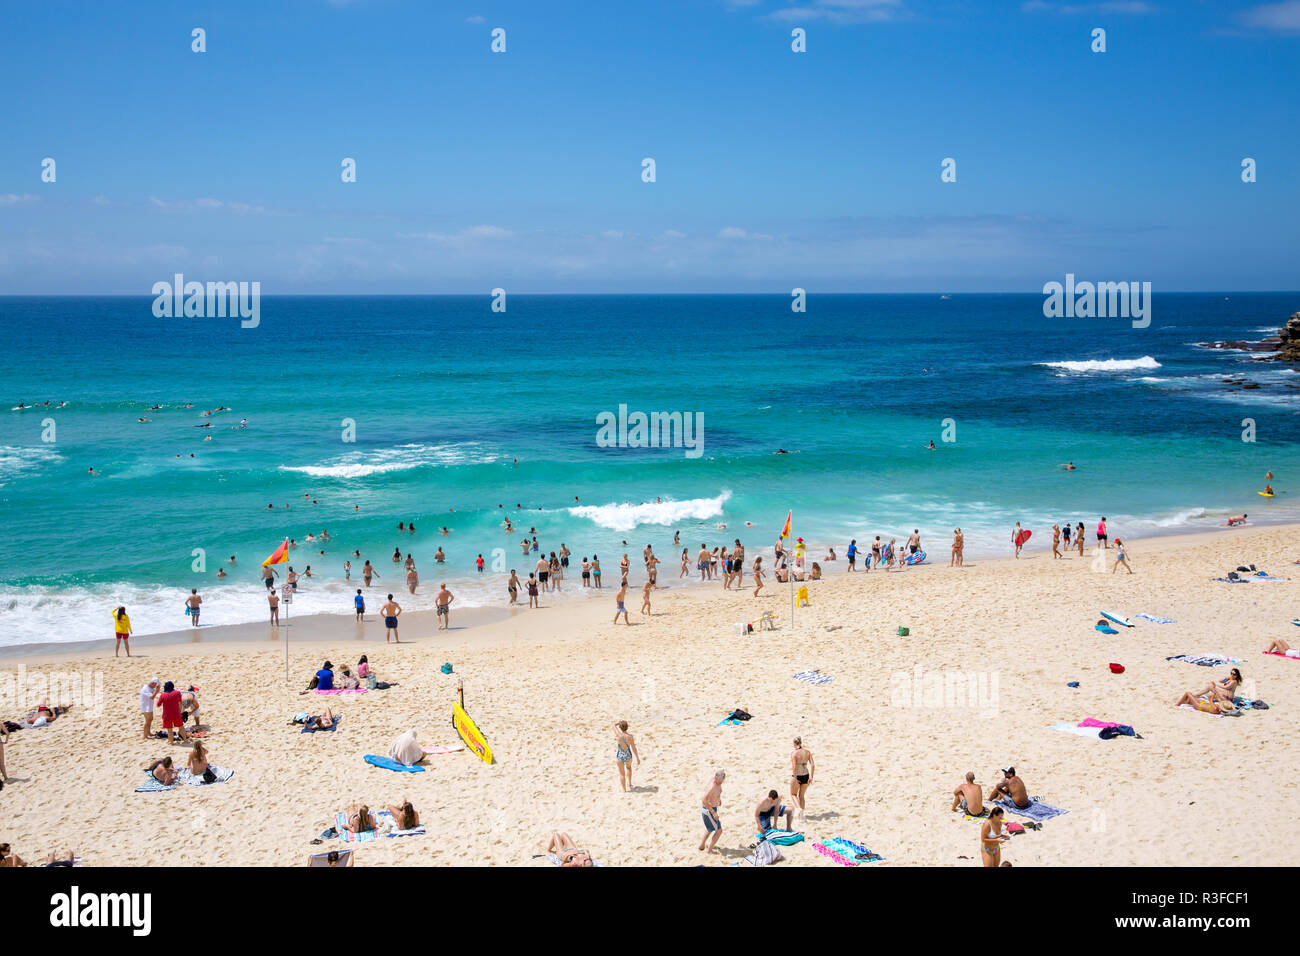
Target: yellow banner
(470, 733)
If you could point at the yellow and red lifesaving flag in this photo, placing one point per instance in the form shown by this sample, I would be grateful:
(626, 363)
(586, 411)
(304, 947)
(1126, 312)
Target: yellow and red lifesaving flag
(280, 555)
(785, 532)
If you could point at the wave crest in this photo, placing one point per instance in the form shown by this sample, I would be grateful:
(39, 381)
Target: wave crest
(1105, 365)
(626, 517)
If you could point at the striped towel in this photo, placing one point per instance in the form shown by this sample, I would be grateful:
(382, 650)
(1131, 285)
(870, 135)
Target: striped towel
(365, 836)
(342, 690)
(1155, 620)
(1037, 810)
(186, 777)
(813, 677)
(850, 849)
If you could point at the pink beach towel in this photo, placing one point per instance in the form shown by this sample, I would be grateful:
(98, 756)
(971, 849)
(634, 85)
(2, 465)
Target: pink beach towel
(342, 690)
(1287, 656)
(442, 750)
(1094, 722)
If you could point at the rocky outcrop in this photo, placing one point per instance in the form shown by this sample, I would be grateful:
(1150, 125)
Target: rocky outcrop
(1289, 349)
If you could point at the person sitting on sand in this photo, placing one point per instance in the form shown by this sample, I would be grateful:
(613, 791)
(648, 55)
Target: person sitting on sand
(562, 846)
(816, 574)
(1280, 646)
(1011, 786)
(1208, 706)
(968, 798)
(406, 749)
(198, 759)
(359, 819)
(10, 859)
(1225, 689)
(769, 811)
(992, 838)
(163, 771)
(324, 679)
(404, 816)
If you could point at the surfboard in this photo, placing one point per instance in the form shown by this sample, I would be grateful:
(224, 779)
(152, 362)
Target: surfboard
(914, 558)
(1023, 536)
(470, 733)
(1117, 618)
(1104, 629)
(1263, 494)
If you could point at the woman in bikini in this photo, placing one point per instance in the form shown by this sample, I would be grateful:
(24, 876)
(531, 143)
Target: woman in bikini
(1279, 646)
(758, 574)
(1225, 689)
(532, 591)
(562, 847)
(624, 751)
(198, 759)
(802, 768)
(1208, 706)
(359, 819)
(992, 838)
(405, 816)
(323, 722)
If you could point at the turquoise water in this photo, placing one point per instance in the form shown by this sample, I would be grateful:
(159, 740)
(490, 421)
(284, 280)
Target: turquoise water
(446, 395)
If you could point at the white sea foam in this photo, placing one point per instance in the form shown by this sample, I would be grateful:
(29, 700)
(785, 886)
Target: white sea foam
(361, 464)
(1105, 365)
(626, 517)
(17, 460)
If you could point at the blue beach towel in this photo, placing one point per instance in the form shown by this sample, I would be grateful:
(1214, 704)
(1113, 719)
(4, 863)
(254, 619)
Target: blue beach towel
(1037, 810)
(388, 763)
(388, 826)
(813, 677)
(330, 729)
(1155, 620)
(153, 786)
(853, 850)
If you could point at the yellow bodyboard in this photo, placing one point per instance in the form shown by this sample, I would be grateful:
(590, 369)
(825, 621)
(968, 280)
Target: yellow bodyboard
(470, 733)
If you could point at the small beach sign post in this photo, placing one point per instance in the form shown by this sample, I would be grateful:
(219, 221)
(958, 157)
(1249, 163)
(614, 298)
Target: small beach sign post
(279, 556)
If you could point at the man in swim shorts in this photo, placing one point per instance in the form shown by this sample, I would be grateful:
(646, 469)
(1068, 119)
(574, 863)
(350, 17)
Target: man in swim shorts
(621, 608)
(443, 601)
(967, 797)
(769, 811)
(391, 611)
(709, 812)
(1011, 786)
(543, 573)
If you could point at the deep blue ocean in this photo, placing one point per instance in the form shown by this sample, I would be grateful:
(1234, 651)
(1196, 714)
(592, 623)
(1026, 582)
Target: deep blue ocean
(447, 396)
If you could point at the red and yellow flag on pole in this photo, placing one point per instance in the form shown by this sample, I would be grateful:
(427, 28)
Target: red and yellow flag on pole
(279, 556)
(785, 532)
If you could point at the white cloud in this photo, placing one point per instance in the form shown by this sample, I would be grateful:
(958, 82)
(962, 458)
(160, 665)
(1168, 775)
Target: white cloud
(13, 199)
(843, 11)
(1279, 17)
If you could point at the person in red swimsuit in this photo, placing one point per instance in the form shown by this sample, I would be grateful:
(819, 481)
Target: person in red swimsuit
(170, 701)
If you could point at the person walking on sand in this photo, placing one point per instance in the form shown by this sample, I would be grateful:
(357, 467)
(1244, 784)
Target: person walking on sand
(443, 601)
(391, 611)
(1101, 533)
(1016, 539)
(645, 598)
(148, 698)
(624, 751)
(992, 838)
(620, 607)
(1121, 557)
(1056, 541)
(802, 769)
(1078, 537)
(709, 811)
(273, 600)
(122, 630)
(957, 544)
(758, 575)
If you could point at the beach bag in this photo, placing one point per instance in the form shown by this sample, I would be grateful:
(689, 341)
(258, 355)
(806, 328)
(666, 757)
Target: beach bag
(764, 854)
(739, 714)
(370, 682)
(209, 776)
(1117, 668)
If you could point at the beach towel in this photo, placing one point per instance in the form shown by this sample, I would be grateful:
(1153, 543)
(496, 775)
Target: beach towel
(222, 775)
(388, 763)
(342, 690)
(1264, 576)
(443, 749)
(153, 786)
(1105, 725)
(1197, 710)
(1037, 810)
(388, 826)
(834, 855)
(1155, 620)
(1242, 703)
(1292, 655)
(854, 850)
(311, 728)
(1068, 728)
(365, 836)
(780, 837)
(554, 860)
(813, 677)
(1232, 580)
(1205, 660)
(323, 859)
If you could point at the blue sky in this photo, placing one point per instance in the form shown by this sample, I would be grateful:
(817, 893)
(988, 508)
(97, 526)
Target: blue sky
(523, 169)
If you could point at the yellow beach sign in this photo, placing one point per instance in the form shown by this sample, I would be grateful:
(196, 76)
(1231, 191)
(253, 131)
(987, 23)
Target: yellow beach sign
(469, 732)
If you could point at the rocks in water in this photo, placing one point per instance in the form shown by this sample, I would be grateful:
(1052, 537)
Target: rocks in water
(1289, 346)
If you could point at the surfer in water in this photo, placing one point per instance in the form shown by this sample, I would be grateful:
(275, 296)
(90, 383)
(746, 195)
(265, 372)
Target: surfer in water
(1068, 466)
(1268, 490)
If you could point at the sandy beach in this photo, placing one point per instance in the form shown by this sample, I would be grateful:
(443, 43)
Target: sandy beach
(545, 686)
